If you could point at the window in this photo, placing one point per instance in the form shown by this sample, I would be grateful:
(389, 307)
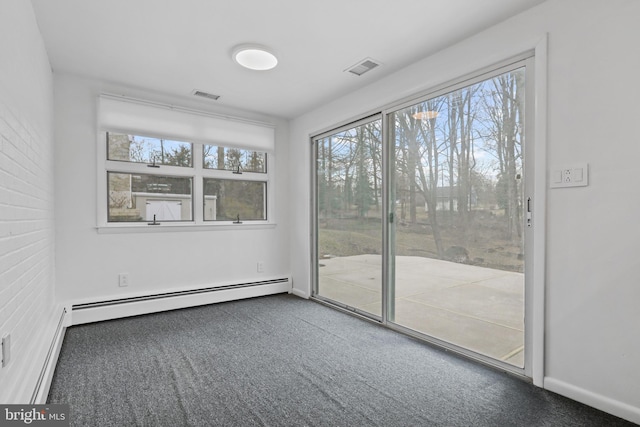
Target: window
(234, 159)
(226, 199)
(131, 197)
(153, 180)
(152, 151)
(166, 165)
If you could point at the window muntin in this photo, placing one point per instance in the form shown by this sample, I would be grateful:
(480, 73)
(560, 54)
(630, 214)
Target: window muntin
(234, 200)
(149, 150)
(234, 159)
(135, 197)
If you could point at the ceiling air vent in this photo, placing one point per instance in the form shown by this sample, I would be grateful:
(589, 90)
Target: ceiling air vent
(363, 66)
(206, 95)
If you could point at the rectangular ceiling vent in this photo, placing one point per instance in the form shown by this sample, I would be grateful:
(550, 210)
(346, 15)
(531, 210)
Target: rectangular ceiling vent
(363, 66)
(206, 95)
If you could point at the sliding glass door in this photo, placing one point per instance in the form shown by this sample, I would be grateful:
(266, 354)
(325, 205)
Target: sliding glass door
(457, 198)
(349, 217)
(421, 215)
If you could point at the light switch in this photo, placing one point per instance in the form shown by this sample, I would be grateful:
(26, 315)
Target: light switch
(576, 175)
(6, 350)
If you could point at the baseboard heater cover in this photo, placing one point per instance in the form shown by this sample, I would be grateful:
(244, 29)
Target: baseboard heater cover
(41, 390)
(117, 308)
(163, 295)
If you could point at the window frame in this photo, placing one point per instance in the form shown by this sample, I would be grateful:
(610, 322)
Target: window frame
(153, 161)
(197, 172)
(145, 195)
(239, 169)
(264, 198)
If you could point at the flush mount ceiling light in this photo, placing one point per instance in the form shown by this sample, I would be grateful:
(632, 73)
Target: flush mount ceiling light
(254, 57)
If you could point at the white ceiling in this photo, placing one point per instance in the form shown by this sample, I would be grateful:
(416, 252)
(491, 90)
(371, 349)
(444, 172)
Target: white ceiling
(175, 46)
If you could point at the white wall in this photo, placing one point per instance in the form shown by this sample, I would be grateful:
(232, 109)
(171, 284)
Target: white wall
(592, 267)
(27, 309)
(88, 263)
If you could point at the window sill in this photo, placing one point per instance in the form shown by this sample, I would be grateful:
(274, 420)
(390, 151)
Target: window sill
(163, 228)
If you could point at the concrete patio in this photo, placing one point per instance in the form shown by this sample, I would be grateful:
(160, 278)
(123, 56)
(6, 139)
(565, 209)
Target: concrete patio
(477, 308)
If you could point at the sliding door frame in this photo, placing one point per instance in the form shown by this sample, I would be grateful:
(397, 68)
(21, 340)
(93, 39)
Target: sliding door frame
(315, 273)
(535, 163)
(525, 61)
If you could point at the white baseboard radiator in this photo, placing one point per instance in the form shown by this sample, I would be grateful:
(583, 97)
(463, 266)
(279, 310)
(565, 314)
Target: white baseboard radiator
(143, 304)
(41, 390)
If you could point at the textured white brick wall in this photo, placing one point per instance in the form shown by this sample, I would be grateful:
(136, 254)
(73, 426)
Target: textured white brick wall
(27, 302)
(26, 245)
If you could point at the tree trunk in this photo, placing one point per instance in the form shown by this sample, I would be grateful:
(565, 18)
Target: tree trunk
(220, 202)
(453, 142)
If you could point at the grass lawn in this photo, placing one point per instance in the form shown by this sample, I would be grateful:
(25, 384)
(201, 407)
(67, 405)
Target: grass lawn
(483, 239)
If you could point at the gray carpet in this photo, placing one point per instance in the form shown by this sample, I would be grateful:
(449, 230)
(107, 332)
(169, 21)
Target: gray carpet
(285, 361)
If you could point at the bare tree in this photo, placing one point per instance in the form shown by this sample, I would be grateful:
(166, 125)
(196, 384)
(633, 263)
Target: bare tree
(419, 156)
(430, 159)
(465, 150)
(504, 106)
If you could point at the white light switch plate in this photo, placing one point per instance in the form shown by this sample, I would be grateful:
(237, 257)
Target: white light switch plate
(576, 175)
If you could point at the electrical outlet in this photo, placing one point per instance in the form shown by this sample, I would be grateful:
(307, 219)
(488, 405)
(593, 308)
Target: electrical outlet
(6, 350)
(569, 176)
(260, 266)
(123, 279)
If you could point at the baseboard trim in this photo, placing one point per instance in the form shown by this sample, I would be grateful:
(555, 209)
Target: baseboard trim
(598, 401)
(41, 390)
(98, 311)
(299, 293)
